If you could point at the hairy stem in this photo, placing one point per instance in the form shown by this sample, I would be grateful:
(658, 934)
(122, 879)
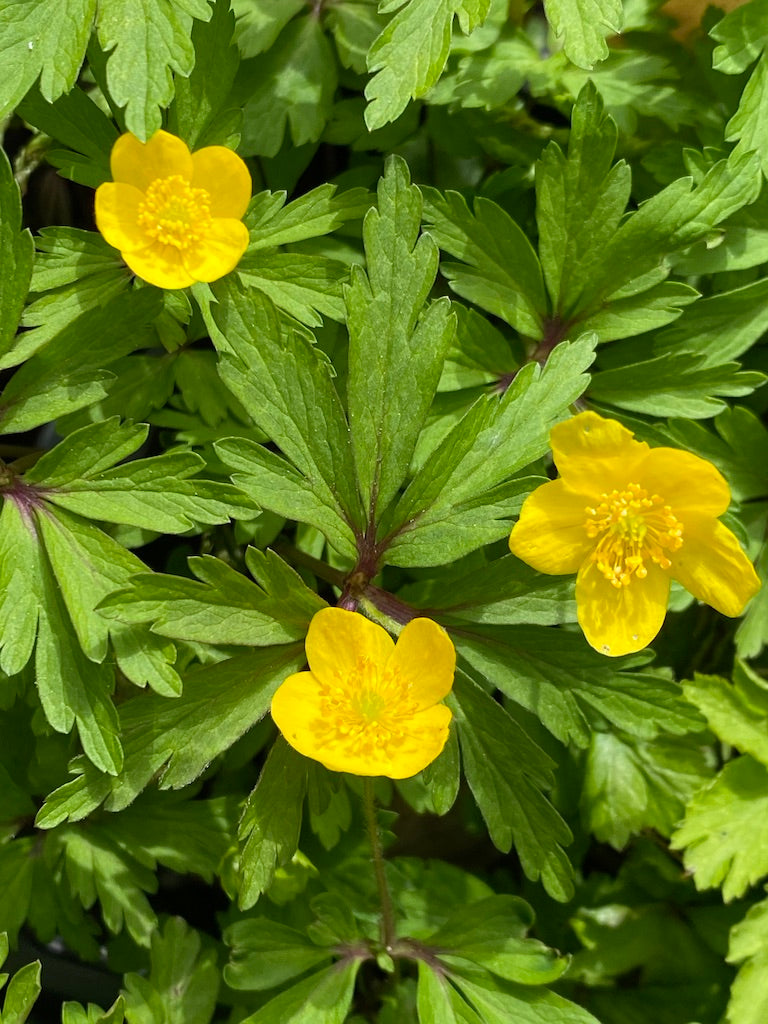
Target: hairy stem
(385, 898)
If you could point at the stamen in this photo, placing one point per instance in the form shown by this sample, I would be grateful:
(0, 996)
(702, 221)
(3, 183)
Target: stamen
(632, 528)
(174, 213)
(365, 711)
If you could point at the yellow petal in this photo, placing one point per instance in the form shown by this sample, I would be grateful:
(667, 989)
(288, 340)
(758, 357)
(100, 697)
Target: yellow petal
(684, 481)
(117, 216)
(423, 740)
(140, 163)
(159, 265)
(296, 711)
(224, 175)
(219, 252)
(625, 619)
(594, 454)
(713, 567)
(338, 640)
(426, 657)
(550, 534)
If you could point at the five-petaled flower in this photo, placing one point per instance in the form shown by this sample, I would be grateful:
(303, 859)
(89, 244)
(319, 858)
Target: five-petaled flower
(369, 706)
(175, 216)
(629, 519)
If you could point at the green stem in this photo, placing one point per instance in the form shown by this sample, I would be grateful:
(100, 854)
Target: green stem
(385, 899)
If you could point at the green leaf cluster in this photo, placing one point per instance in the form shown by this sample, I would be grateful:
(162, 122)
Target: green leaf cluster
(470, 220)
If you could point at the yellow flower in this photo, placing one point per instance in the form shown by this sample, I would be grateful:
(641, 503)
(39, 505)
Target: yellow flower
(175, 216)
(368, 706)
(629, 518)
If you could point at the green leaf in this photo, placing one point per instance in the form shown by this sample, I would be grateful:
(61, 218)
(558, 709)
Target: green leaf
(316, 213)
(141, 384)
(97, 869)
(154, 493)
(443, 777)
(636, 314)
(260, 23)
(468, 526)
(499, 1002)
(742, 34)
(490, 78)
(75, 120)
(492, 934)
(479, 353)
(322, 998)
(752, 633)
(34, 615)
(21, 590)
(286, 384)
(580, 201)
(45, 39)
(396, 347)
(471, 461)
(306, 287)
(739, 452)
(503, 592)
(78, 272)
(183, 981)
(293, 84)
(747, 945)
(89, 565)
(225, 607)
(725, 830)
(72, 688)
(720, 327)
(74, 354)
(177, 740)
(202, 94)
(264, 954)
(674, 384)
(632, 784)
(559, 678)
(407, 57)
(16, 878)
(434, 996)
(271, 820)
(736, 712)
(507, 772)
(500, 271)
(29, 401)
(16, 254)
(146, 40)
(748, 123)
(355, 26)
(637, 84)
(633, 258)
(73, 1013)
(187, 836)
(21, 994)
(274, 484)
(584, 24)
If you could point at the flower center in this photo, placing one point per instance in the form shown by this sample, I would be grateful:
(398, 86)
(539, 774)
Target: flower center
(174, 213)
(366, 711)
(632, 527)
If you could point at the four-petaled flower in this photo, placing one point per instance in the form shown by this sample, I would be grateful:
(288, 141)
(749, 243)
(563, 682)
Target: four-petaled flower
(369, 706)
(175, 216)
(629, 519)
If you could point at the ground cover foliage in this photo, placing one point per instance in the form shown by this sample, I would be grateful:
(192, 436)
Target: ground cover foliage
(470, 220)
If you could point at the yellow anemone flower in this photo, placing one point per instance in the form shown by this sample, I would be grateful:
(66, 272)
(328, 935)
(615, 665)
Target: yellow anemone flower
(369, 706)
(175, 216)
(629, 518)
